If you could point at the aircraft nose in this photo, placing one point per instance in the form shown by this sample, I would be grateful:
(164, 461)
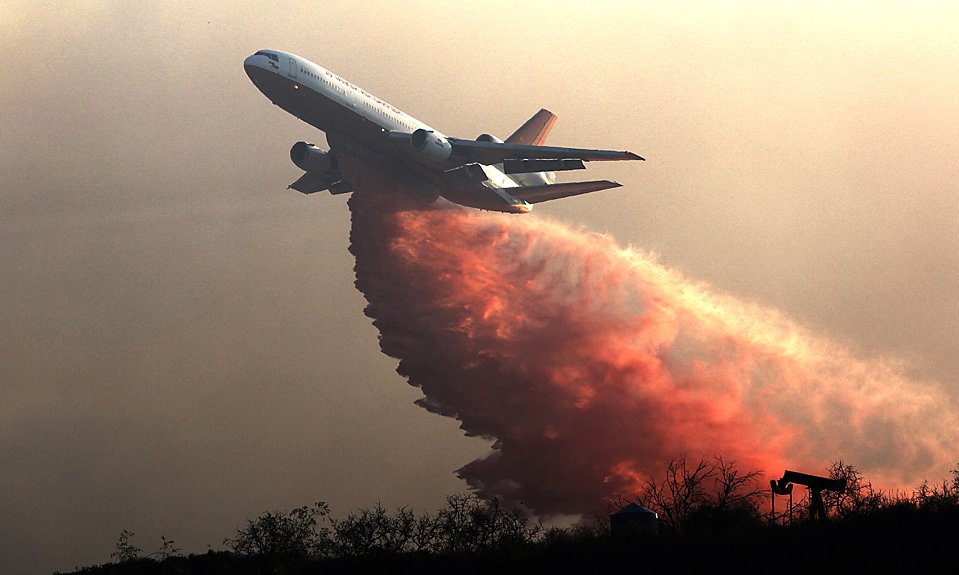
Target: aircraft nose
(253, 66)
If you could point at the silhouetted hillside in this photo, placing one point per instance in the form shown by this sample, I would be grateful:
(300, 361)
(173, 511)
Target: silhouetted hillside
(721, 531)
(894, 540)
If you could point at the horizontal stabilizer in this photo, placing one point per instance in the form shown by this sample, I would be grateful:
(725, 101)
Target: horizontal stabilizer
(312, 182)
(537, 194)
(530, 166)
(497, 152)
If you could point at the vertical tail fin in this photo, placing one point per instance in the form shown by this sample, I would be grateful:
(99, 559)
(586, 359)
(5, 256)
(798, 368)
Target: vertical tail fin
(535, 130)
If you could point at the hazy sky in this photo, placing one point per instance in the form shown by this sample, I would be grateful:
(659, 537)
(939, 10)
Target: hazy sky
(181, 343)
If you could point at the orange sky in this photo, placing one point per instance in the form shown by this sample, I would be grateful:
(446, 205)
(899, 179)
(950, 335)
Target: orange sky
(182, 344)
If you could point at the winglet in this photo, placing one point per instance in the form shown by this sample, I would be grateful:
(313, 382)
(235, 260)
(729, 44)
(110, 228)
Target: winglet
(535, 130)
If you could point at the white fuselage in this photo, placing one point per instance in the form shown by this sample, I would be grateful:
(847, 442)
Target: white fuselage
(358, 123)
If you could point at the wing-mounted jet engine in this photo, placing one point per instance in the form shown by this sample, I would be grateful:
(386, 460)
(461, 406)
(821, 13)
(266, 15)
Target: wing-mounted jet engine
(322, 170)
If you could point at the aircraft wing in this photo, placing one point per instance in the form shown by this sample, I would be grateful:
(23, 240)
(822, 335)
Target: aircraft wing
(497, 152)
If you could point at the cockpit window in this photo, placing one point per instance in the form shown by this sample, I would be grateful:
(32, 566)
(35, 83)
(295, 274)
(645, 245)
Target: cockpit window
(273, 57)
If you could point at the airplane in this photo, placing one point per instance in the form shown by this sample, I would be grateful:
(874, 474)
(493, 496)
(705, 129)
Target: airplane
(366, 134)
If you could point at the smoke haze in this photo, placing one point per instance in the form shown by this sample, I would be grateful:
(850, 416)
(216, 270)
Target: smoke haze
(590, 365)
(181, 342)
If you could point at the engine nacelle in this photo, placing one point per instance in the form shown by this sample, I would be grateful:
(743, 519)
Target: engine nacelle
(310, 158)
(430, 146)
(488, 138)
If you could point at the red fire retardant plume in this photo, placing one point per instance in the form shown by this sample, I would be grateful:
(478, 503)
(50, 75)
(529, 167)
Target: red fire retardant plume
(589, 365)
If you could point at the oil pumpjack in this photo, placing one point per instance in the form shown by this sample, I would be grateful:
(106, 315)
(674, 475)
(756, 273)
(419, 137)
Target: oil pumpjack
(816, 485)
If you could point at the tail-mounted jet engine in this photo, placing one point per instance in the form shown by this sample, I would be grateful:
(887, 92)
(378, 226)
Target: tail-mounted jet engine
(488, 138)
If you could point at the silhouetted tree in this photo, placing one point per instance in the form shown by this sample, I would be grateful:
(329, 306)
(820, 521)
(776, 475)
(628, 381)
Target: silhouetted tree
(370, 531)
(167, 548)
(733, 504)
(678, 493)
(466, 524)
(736, 490)
(125, 549)
(424, 533)
(279, 534)
(937, 496)
(469, 524)
(714, 491)
(859, 496)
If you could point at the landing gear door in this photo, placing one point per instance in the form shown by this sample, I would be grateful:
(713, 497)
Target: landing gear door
(293, 68)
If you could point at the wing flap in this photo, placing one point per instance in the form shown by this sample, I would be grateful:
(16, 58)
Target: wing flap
(545, 193)
(313, 182)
